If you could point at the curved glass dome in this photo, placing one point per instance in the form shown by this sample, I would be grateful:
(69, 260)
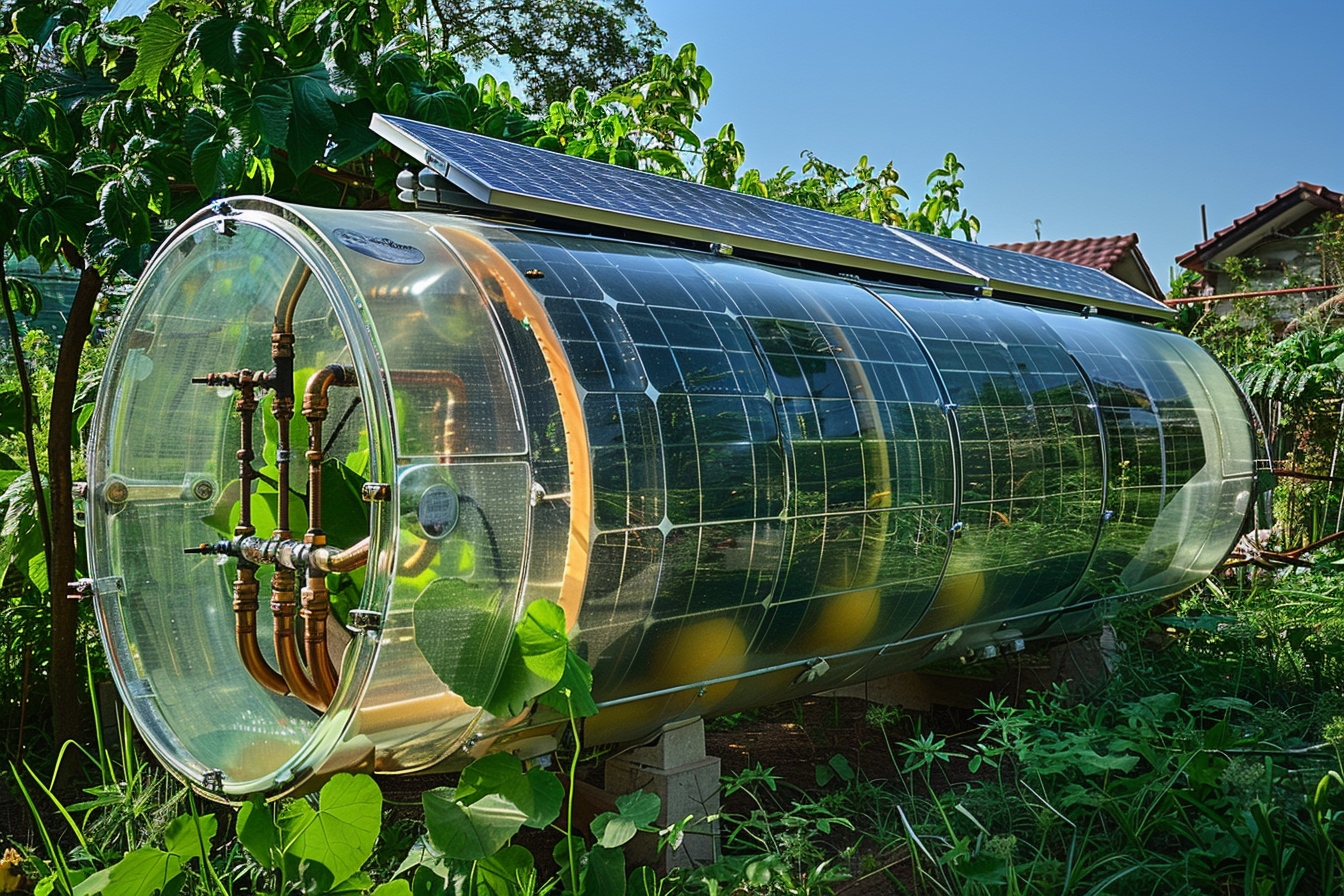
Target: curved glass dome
(337, 453)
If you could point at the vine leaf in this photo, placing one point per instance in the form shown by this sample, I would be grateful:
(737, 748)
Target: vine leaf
(538, 793)
(470, 832)
(160, 38)
(339, 834)
(634, 812)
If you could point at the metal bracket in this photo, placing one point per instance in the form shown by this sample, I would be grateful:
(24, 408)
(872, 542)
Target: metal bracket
(1107, 516)
(364, 621)
(375, 492)
(814, 669)
(108, 586)
(213, 780)
(956, 529)
(192, 487)
(224, 225)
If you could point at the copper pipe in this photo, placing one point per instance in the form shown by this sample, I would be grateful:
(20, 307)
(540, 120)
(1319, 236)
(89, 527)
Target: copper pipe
(420, 560)
(450, 435)
(286, 646)
(282, 407)
(1195, 300)
(330, 560)
(245, 588)
(316, 602)
(315, 405)
(316, 599)
(245, 606)
(295, 281)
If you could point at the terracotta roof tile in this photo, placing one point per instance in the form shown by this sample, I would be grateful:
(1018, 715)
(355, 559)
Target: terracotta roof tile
(1325, 198)
(1100, 252)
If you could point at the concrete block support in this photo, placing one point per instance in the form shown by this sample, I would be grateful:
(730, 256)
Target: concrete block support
(675, 768)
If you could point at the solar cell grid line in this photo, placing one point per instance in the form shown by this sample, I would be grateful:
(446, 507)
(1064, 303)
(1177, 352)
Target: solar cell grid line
(522, 178)
(1010, 271)
(525, 178)
(1021, 400)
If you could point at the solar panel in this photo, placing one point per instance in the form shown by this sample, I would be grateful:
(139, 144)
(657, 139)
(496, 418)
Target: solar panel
(523, 178)
(1018, 271)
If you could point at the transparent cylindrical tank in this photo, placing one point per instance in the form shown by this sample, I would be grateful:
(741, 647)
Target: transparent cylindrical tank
(740, 482)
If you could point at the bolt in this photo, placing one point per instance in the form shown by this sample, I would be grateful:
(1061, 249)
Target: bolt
(116, 492)
(203, 490)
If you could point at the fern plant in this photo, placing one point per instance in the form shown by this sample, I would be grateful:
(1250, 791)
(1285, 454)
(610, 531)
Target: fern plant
(1306, 364)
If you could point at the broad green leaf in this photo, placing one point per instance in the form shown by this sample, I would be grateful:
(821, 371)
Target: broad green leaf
(352, 137)
(217, 164)
(574, 691)
(37, 571)
(535, 661)
(33, 22)
(157, 42)
(470, 832)
(634, 811)
(205, 167)
(313, 121)
(12, 95)
(643, 882)
(570, 856)
(469, 637)
(213, 39)
(141, 872)
(393, 888)
(25, 299)
(252, 42)
(537, 792)
(424, 855)
(301, 16)
(189, 837)
(33, 177)
(271, 108)
(541, 637)
(341, 832)
(358, 883)
(509, 872)
(123, 205)
(442, 107)
(42, 122)
(257, 831)
(606, 872)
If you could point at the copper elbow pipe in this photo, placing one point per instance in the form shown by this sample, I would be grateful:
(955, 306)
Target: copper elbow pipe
(316, 609)
(286, 644)
(330, 560)
(420, 560)
(315, 404)
(453, 431)
(245, 588)
(295, 281)
(316, 598)
(245, 630)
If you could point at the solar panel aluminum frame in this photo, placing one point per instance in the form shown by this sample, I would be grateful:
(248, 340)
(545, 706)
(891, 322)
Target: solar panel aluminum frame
(943, 269)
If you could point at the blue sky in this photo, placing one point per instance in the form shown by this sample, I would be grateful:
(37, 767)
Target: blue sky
(1097, 118)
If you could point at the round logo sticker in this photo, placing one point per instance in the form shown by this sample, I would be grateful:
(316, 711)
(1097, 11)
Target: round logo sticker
(379, 247)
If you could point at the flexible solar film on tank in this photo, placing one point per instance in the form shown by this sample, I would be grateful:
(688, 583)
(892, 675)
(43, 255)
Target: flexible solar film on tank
(510, 175)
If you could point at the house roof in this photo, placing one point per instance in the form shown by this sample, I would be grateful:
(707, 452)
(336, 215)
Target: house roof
(1117, 255)
(1287, 207)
